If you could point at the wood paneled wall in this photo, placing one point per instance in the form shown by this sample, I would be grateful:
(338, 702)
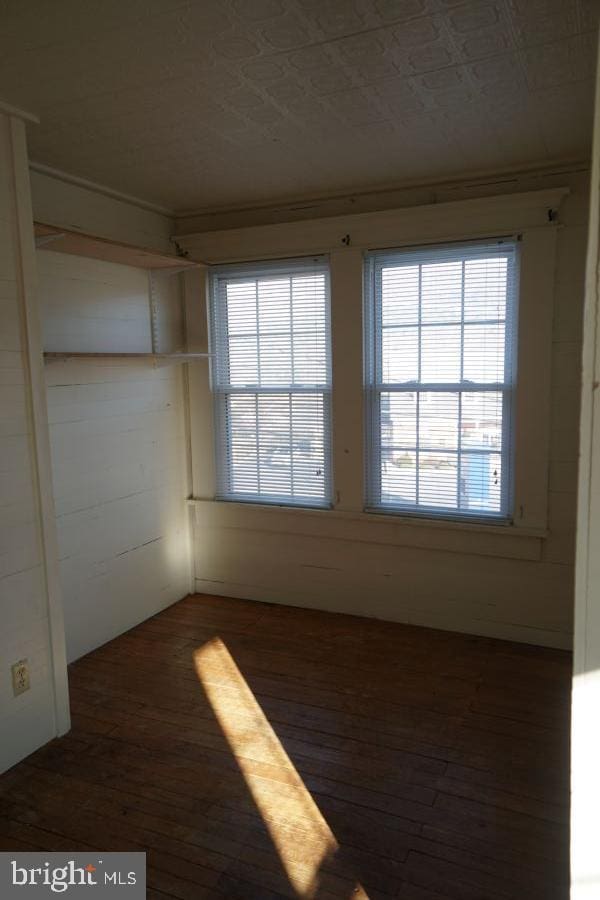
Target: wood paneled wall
(118, 447)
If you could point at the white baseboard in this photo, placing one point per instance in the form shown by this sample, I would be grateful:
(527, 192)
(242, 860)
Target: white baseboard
(522, 634)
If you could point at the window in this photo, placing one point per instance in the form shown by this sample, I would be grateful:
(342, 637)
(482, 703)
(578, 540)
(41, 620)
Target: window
(440, 369)
(271, 381)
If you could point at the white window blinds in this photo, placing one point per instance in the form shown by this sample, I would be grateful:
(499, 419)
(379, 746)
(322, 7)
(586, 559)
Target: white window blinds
(271, 378)
(440, 377)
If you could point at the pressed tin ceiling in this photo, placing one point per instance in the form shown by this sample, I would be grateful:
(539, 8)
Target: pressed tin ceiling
(209, 104)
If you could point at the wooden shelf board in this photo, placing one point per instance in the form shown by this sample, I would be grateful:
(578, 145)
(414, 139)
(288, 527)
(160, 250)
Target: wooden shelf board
(156, 358)
(80, 244)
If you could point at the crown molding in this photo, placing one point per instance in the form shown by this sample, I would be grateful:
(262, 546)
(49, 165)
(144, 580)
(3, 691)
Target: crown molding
(458, 219)
(59, 175)
(18, 113)
(313, 206)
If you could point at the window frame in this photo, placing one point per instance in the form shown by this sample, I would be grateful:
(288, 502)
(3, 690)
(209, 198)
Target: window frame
(540, 436)
(222, 435)
(374, 262)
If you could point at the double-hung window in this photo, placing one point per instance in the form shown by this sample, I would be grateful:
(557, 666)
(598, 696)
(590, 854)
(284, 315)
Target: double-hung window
(440, 346)
(271, 378)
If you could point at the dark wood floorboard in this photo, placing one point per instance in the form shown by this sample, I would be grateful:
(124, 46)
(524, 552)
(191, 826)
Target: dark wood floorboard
(258, 751)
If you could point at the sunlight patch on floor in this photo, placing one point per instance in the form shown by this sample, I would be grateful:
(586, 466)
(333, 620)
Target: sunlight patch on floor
(300, 834)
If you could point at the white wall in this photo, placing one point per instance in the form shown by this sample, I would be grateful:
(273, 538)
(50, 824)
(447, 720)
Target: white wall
(29, 624)
(513, 585)
(117, 428)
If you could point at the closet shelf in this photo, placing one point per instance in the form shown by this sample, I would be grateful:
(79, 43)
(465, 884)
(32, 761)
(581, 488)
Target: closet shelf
(52, 237)
(158, 359)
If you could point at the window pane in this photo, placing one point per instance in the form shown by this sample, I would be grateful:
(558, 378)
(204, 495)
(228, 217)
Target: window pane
(308, 302)
(398, 476)
(441, 292)
(398, 417)
(310, 360)
(399, 355)
(275, 359)
(438, 421)
(274, 448)
(438, 479)
(481, 420)
(485, 288)
(241, 427)
(308, 448)
(241, 308)
(243, 361)
(274, 309)
(400, 295)
(484, 353)
(440, 354)
(480, 480)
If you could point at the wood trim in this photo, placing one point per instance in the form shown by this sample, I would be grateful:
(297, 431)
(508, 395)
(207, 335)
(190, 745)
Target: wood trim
(164, 359)
(189, 298)
(364, 527)
(492, 216)
(80, 244)
(347, 396)
(463, 186)
(33, 361)
(294, 596)
(201, 406)
(17, 113)
(103, 189)
(533, 395)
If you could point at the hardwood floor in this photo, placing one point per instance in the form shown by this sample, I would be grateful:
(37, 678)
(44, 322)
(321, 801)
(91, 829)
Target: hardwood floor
(259, 751)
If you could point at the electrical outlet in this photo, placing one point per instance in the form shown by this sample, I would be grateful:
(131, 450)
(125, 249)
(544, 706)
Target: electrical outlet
(20, 677)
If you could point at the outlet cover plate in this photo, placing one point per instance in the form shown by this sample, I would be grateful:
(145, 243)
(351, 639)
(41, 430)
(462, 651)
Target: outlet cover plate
(20, 677)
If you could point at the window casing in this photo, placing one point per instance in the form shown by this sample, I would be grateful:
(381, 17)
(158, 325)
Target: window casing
(271, 380)
(440, 368)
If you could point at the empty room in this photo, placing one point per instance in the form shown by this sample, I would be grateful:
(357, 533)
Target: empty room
(299, 449)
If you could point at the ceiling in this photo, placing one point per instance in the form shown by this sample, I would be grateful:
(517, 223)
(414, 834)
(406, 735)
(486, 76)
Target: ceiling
(217, 103)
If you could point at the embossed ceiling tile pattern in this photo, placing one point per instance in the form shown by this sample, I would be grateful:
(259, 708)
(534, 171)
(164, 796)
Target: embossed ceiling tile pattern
(258, 10)
(401, 10)
(203, 103)
(474, 16)
(286, 33)
(539, 21)
(373, 71)
(338, 17)
(417, 32)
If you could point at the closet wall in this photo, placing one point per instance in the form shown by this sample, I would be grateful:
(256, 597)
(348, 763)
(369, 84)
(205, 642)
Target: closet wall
(118, 426)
